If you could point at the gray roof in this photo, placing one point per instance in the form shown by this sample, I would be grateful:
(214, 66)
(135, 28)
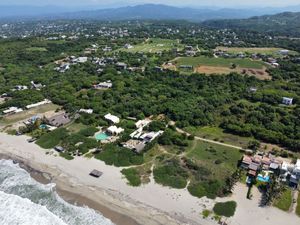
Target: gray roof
(59, 120)
(274, 166)
(253, 166)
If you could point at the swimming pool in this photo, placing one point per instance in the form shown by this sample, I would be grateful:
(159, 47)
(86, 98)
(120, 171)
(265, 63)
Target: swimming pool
(101, 136)
(263, 179)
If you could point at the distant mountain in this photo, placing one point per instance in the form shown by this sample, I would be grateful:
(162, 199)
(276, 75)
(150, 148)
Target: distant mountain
(282, 23)
(147, 11)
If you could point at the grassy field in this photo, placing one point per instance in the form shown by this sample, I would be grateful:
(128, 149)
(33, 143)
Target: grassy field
(284, 201)
(28, 113)
(154, 45)
(76, 127)
(218, 62)
(217, 134)
(267, 51)
(298, 206)
(220, 160)
(36, 49)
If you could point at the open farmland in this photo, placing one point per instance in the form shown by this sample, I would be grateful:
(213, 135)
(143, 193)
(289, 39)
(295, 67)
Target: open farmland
(154, 45)
(208, 65)
(266, 51)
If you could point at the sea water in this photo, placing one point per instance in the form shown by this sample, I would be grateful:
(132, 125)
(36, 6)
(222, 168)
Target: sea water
(24, 201)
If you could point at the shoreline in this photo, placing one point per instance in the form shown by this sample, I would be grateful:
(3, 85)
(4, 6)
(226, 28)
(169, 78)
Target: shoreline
(150, 204)
(71, 197)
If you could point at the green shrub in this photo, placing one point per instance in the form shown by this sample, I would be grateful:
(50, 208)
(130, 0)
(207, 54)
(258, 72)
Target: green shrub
(210, 189)
(225, 208)
(66, 156)
(171, 174)
(298, 206)
(118, 156)
(206, 213)
(88, 132)
(133, 176)
(52, 139)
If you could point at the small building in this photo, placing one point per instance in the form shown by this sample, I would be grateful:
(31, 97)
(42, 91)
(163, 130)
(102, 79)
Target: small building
(142, 123)
(59, 149)
(46, 101)
(114, 130)
(246, 161)
(103, 85)
(87, 111)
(287, 101)
(284, 52)
(112, 118)
(37, 86)
(186, 67)
(12, 110)
(121, 65)
(96, 173)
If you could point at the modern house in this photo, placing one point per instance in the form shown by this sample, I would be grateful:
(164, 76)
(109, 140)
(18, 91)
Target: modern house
(103, 85)
(87, 111)
(46, 101)
(59, 120)
(112, 118)
(12, 110)
(114, 130)
(287, 101)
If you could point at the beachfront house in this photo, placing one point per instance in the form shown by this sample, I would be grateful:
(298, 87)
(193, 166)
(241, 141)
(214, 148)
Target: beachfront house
(287, 101)
(112, 118)
(121, 65)
(59, 120)
(114, 130)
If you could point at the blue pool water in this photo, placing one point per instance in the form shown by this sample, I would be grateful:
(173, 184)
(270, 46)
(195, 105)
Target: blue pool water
(263, 179)
(101, 136)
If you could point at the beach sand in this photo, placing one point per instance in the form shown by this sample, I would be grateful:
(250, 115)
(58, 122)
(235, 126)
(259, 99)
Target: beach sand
(149, 204)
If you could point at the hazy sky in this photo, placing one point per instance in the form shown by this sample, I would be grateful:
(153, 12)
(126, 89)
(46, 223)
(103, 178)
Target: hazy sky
(220, 3)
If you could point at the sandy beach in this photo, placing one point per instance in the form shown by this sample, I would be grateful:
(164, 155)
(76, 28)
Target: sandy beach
(150, 204)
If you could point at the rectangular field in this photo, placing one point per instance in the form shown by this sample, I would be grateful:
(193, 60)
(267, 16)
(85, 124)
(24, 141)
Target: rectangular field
(209, 66)
(267, 51)
(154, 45)
(219, 62)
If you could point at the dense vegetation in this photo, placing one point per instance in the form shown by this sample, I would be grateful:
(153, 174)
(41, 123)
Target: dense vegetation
(132, 175)
(225, 208)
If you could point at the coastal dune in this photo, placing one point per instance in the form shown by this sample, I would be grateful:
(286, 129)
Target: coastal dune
(150, 204)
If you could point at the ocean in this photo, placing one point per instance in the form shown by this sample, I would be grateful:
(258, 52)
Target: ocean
(24, 201)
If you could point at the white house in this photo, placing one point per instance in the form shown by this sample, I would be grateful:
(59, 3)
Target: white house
(142, 123)
(103, 85)
(12, 110)
(114, 130)
(87, 111)
(287, 101)
(46, 101)
(112, 118)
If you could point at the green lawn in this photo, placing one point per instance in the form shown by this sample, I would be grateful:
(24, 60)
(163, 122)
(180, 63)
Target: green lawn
(154, 45)
(36, 49)
(216, 133)
(268, 51)
(298, 206)
(220, 160)
(26, 114)
(76, 127)
(284, 201)
(218, 62)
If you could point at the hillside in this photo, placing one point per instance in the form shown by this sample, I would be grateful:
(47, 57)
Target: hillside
(146, 11)
(287, 23)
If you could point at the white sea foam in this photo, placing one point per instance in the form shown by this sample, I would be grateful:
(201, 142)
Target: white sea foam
(25, 201)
